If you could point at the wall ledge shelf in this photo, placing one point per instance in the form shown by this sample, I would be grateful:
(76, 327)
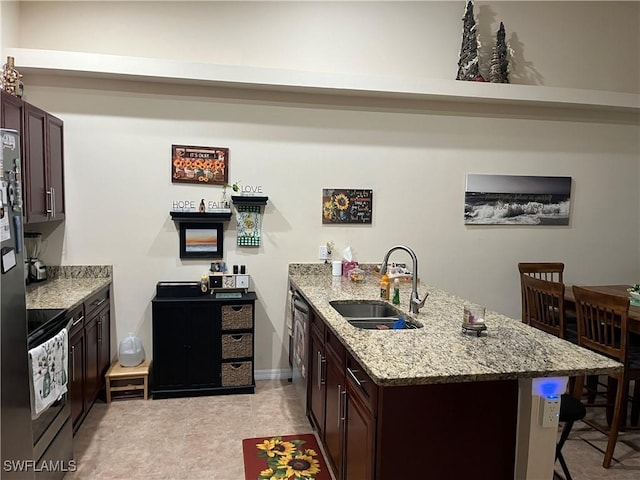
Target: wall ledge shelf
(249, 199)
(375, 90)
(200, 217)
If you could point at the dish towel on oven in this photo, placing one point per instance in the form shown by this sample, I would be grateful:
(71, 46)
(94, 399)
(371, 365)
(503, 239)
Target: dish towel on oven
(49, 375)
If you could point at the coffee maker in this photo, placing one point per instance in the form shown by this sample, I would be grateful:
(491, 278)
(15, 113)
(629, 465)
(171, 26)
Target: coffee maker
(37, 271)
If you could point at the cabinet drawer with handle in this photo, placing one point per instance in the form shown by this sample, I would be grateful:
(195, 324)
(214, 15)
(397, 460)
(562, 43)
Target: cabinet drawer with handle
(96, 301)
(362, 384)
(76, 316)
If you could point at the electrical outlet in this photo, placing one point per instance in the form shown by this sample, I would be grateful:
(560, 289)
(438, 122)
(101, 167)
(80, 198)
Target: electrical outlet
(323, 253)
(549, 411)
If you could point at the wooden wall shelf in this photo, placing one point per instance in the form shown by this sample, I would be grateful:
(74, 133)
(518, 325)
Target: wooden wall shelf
(200, 217)
(530, 100)
(249, 199)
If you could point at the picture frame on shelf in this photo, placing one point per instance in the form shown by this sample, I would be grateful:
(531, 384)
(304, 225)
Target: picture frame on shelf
(217, 267)
(201, 240)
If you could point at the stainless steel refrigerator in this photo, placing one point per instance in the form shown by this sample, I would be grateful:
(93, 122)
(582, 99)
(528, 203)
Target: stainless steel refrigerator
(16, 441)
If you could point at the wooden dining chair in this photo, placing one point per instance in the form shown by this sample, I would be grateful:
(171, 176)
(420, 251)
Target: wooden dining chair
(545, 300)
(602, 328)
(551, 271)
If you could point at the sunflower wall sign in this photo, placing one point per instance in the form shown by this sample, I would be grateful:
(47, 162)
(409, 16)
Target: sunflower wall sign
(199, 165)
(347, 205)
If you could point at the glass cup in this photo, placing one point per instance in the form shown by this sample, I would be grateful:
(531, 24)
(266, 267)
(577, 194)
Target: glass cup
(473, 314)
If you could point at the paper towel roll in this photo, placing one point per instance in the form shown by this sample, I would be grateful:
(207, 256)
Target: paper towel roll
(336, 268)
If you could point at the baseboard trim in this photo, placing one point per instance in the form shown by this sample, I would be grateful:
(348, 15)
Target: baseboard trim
(273, 374)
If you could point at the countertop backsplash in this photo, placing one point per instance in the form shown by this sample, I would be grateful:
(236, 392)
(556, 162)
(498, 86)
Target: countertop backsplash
(79, 271)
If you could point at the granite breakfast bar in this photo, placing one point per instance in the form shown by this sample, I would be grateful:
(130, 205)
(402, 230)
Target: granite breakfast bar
(445, 399)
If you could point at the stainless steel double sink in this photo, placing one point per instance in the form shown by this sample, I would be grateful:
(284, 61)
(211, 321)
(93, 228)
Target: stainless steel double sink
(371, 314)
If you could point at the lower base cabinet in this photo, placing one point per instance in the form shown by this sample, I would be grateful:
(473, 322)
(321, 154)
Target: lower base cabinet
(77, 342)
(360, 435)
(90, 356)
(371, 432)
(202, 346)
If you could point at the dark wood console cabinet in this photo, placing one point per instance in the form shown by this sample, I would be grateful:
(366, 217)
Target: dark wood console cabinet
(203, 345)
(42, 152)
(90, 341)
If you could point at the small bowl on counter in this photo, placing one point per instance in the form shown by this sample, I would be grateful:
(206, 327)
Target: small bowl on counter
(356, 274)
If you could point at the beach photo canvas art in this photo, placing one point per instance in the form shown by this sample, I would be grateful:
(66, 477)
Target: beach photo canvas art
(200, 240)
(517, 200)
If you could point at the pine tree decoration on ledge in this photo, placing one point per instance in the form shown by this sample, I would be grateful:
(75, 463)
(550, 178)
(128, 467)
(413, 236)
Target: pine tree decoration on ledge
(468, 62)
(499, 70)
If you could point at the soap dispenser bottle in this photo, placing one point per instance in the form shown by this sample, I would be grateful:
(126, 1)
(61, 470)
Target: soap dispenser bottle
(384, 287)
(396, 292)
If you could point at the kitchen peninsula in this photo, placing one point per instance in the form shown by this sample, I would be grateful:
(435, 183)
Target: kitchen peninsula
(392, 403)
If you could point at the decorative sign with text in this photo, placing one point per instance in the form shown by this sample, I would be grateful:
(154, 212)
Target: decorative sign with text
(199, 206)
(347, 206)
(199, 165)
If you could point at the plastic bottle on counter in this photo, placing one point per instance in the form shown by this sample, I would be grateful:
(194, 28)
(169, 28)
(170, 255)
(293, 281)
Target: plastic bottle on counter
(384, 287)
(396, 292)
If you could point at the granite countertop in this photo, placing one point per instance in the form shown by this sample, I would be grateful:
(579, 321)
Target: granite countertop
(440, 352)
(67, 286)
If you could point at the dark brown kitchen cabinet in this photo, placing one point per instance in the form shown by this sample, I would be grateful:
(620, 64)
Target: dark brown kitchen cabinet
(42, 152)
(359, 408)
(202, 345)
(90, 341)
(334, 407)
(316, 382)
(104, 343)
(77, 345)
(97, 311)
(359, 439)
(328, 392)
(91, 379)
(43, 166)
(11, 113)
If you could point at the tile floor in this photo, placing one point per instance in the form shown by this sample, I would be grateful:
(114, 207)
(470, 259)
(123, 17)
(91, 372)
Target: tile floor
(182, 438)
(200, 438)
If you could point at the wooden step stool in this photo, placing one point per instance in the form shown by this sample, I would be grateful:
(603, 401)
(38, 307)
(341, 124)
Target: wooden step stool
(127, 379)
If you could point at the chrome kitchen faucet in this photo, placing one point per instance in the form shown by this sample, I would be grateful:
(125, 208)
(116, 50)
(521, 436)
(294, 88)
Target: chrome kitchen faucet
(415, 304)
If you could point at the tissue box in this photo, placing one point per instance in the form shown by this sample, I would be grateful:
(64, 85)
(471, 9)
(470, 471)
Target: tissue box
(347, 267)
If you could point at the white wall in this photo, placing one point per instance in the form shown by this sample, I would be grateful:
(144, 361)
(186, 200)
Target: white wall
(118, 137)
(591, 45)
(9, 24)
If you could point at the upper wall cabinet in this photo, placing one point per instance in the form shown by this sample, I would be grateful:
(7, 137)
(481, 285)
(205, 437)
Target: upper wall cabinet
(41, 144)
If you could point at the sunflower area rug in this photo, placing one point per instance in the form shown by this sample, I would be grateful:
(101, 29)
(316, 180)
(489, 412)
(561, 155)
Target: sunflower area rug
(292, 457)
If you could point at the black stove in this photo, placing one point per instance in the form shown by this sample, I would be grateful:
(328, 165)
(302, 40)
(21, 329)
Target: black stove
(43, 324)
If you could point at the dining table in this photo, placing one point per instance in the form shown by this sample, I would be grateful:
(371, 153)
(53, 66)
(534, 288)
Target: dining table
(621, 290)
